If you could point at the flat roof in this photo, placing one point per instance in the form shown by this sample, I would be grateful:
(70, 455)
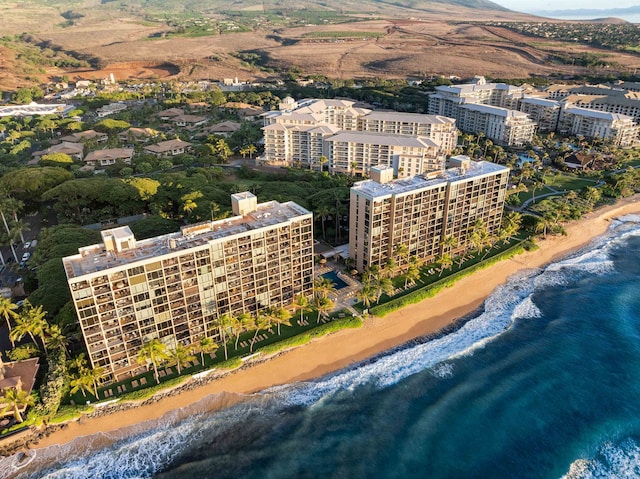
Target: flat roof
(541, 101)
(96, 258)
(603, 115)
(374, 138)
(494, 110)
(375, 190)
(408, 117)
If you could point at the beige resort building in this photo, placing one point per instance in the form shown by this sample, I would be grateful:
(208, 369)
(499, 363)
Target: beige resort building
(354, 139)
(420, 212)
(173, 287)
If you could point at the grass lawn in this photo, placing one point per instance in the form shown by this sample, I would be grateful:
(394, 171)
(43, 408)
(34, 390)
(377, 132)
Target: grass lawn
(527, 195)
(569, 182)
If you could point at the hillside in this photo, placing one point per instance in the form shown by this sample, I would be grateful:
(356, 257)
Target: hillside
(253, 39)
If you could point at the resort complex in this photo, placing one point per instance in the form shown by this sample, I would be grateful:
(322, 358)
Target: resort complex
(351, 140)
(175, 287)
(510, 115)
(424, 214)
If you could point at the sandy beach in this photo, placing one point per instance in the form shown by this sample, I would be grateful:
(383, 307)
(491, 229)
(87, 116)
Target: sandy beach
(336, 351)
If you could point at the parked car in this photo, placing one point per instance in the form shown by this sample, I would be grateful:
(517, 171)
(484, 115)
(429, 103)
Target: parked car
(25, 257)
(27, 245)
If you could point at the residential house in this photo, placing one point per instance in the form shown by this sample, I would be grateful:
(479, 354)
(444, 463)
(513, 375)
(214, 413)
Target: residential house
(168, 148)
(74, 150)
(88, 135)
(137, 135)
(109, 156)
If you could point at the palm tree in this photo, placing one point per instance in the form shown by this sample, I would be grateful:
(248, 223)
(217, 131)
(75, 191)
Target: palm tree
(238, 325)
(36, 321)
(301, 304)
(282, 316)
(323, 212)
(19, 227)
(448, 243)
(412, 274)
(446, 262)
(367, 295)
(16, 399)
(324, 286)
(30, 321)
(224, 323)
(81, 382)
(323, 305)
(208, 346)
(155, 352)
(251, 149)
(262, 322)
(384, 285)
(401, 252)
(322, 160)
(7, 309)
(181, 357)
(56, 340)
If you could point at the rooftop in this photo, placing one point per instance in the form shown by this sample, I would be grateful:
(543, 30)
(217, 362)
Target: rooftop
(94, 258)
(602, 115)
(408, 117)
(494, 110)
(373, 138)
(373, 189)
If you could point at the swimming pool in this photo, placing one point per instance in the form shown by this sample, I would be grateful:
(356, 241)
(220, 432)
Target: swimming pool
(338, 283)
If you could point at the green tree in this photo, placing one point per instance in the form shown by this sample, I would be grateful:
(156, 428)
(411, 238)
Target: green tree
(8, 310)
(14, 400)
(30, 322)
(56, 159)
(153, 352)
(323, 306)
(301, 304)
(262, 322)
(206, 346)
(181, 357)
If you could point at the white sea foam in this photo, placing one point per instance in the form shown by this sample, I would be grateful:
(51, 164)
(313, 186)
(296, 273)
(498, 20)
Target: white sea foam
(147, 452)
(615, 461)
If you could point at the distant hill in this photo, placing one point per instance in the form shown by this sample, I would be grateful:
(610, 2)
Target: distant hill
(595, 13)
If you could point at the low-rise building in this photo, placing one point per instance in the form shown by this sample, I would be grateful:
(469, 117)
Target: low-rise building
(168, 148)
(137, 135)
(84, 136)
(111, 109)
(109, 156)
(74, 150)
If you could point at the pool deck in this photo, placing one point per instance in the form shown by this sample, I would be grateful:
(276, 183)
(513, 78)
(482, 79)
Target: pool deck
(344, 297)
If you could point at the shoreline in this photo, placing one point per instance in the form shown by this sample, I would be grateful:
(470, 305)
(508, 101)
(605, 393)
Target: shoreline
(347, 347)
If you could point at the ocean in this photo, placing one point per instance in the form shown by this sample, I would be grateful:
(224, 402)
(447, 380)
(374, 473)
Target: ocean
(543, 382)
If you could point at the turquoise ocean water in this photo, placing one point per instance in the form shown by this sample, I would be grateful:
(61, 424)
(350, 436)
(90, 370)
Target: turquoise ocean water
(544, 382)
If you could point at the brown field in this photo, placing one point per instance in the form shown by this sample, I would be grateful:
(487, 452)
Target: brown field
(405, 47)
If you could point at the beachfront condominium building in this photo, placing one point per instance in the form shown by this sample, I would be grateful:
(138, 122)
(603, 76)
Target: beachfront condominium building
(618, 129)
(174, 287)
(501, 125)
(422, 212)
(305, 133)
